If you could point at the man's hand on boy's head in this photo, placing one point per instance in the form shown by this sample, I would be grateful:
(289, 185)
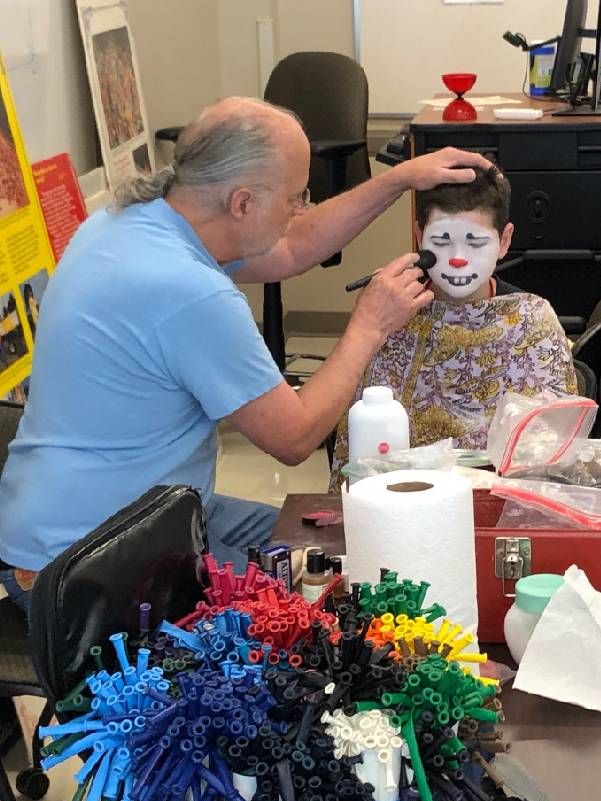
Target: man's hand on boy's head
(447, 166)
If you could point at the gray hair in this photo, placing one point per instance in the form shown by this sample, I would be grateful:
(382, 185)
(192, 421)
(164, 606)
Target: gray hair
(214, 155)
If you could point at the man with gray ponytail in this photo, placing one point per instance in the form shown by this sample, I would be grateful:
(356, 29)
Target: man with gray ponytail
(144, 341)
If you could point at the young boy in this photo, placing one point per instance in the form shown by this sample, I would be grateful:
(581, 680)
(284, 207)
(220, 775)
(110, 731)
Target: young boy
(480, 337)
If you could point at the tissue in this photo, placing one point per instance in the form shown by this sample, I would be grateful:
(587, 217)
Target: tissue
(563, 657)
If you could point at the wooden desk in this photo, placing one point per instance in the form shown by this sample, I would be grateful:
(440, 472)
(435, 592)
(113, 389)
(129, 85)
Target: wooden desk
(554, 167)
(559, 744)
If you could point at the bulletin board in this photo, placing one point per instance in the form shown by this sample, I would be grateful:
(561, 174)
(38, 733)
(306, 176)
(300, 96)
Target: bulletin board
(406, 45)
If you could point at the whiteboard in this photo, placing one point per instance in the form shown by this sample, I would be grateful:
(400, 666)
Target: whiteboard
(406, 45)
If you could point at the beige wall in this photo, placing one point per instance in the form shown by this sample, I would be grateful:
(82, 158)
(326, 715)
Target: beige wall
(239, 56)
(314, 25)
(193, 51)
(178, 51)
(307, 25)
(385, 239)
(323, 290)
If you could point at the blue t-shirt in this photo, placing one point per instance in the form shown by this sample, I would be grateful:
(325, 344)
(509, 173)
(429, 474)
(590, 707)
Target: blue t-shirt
(143, 343)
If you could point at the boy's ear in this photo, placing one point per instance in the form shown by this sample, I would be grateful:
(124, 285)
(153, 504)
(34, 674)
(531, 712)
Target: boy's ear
(418, 233)
(506, 240)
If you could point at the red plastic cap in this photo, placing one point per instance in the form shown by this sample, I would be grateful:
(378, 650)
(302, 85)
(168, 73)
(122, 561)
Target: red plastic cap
(383, 447)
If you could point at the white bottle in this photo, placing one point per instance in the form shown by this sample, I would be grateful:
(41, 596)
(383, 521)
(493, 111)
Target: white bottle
(377, 425)
(532, 594)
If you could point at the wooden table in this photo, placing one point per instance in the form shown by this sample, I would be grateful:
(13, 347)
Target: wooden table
(559, 744)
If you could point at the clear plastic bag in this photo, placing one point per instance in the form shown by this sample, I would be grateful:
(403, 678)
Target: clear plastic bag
(516, 515)
(529, 433)
(577, 507)
(438, 456)
(584, 471)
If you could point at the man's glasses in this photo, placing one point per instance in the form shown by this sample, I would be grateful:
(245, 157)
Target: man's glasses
(302, 200)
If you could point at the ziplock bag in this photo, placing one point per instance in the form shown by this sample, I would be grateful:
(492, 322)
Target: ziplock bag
(528, 433)
(578, 506)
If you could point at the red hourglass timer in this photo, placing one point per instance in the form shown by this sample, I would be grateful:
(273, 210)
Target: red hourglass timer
(459, 110)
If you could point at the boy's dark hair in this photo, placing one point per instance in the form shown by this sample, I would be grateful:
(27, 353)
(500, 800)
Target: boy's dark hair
(490, 192)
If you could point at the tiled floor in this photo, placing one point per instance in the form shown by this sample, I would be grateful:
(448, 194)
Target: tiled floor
(245, 472)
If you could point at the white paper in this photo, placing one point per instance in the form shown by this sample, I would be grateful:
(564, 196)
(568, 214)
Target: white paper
(563, 658)
(489, 100)
(425, 535)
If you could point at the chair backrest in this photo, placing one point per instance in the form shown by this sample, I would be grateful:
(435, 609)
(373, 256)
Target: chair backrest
(147, 552)
(595, 316)
(10, 414)
(587, 348)
(586, 380)
(329, 93)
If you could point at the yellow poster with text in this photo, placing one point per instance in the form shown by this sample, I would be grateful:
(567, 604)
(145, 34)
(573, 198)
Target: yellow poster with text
(26, 259)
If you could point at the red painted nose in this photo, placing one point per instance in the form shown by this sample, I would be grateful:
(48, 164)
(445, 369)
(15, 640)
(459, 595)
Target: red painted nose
(458, 262)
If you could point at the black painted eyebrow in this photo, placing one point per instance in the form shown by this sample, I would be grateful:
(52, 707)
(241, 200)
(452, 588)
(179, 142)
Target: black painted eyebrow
(446, 235)
(471, 236)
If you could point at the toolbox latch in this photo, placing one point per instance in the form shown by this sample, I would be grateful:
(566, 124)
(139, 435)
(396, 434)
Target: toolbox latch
(513, 560)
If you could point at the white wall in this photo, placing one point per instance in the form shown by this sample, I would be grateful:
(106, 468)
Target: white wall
(42, 50)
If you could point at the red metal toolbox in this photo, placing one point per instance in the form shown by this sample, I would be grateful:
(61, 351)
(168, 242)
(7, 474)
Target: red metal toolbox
(547, 550)
(503, 555)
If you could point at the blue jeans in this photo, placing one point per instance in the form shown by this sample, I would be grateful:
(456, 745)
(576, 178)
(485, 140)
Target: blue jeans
(232, 525)
(15, 593)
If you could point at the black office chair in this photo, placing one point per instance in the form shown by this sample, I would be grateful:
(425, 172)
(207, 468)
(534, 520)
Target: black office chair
(595, 316)
(586, 380)
(329, 93)
(10, 414)
(587, 349)
(17, 674)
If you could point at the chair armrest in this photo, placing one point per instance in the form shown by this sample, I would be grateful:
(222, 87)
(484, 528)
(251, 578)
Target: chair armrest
(168, 134)
(572, 324)
(336, 148)
(397, 149)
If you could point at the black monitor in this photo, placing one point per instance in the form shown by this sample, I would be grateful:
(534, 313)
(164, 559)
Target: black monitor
(570, 41)
(568, 54)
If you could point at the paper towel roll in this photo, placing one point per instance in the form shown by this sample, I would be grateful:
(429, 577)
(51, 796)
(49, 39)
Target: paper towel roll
(421, 523)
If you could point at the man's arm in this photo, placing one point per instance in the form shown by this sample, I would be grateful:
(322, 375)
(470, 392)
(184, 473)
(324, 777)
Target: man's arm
(290, 425)
(330, 226)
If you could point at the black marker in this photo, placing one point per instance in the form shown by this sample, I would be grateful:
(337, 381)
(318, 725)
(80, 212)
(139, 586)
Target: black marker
(426, 261)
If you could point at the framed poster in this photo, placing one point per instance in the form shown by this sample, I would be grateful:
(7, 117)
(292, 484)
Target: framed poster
(26, 259)
(116, 90)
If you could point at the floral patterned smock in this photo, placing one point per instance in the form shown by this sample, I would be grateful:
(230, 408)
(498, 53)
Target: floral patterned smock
(453, 362)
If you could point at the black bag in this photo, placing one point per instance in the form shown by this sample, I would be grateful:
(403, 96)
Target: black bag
(147, 552)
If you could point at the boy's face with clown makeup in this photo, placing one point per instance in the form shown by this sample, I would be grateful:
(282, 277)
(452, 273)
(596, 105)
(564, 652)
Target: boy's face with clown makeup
(467, 247)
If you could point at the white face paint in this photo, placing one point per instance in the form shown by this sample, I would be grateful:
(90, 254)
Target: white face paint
(466, 252)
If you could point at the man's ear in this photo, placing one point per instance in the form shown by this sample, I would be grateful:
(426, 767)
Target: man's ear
(506, 240)
(240, 200)
(418, 233)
